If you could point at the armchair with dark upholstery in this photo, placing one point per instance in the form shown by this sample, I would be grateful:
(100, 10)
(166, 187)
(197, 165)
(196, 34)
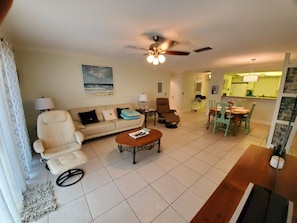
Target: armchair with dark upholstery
(165, 114)
(59, 144)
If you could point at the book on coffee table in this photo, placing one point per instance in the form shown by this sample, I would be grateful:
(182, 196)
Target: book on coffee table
(138, 134)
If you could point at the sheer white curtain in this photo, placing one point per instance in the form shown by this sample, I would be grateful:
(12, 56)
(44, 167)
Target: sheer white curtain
(15, 151)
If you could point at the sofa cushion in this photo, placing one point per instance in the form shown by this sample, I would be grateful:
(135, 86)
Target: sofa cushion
(88, 117)
(99, 128)
(109, 114)
(74, 112)
(127, 124)
(130, 114)
(123, 105)
(119, 111)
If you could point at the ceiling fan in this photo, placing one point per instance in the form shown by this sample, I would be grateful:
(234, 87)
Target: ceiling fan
(160, 47)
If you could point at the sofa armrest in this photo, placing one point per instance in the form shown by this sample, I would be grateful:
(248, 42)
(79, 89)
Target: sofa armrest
(79, 137)
(78, 125)
(38, 146)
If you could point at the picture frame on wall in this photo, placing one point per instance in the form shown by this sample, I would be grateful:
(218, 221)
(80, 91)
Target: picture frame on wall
(279, 134)
(214, 89)
(198, 87)
(291, 81)
(160, 87)
(97, 80)
(285, 109)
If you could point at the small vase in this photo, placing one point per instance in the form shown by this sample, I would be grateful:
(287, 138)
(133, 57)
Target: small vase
(277, 151)
(277, 159)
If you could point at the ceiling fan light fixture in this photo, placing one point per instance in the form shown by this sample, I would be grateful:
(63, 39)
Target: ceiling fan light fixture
(150, 58)
(161, 58)
(156, 61)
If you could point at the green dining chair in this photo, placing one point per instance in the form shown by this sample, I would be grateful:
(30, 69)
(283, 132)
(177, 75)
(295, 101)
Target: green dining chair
(212, 104)
(222, 119)
(247, 118)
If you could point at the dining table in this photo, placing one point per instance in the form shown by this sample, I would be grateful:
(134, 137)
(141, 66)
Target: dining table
(236, 112)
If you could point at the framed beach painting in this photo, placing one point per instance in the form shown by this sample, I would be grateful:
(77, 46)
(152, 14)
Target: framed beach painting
(97, 80)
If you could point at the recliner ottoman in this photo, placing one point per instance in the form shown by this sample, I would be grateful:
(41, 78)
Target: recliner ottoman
(171, 120)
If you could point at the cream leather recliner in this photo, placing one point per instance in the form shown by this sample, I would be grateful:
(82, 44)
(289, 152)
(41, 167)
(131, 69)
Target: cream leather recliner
(60, 145)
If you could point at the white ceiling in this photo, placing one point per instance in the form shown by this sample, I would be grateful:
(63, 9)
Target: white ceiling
(237, 30)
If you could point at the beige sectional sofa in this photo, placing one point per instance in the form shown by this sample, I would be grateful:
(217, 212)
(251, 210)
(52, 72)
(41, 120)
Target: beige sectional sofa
(109, 120)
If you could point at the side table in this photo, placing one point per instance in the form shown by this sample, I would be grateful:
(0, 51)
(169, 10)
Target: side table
(148, 112)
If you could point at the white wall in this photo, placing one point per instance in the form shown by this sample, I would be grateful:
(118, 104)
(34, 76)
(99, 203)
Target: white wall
(188, 89)
(176, 84)
(59, 76)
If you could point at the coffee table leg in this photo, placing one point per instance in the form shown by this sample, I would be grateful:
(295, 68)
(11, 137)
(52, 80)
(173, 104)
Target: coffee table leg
(159, 142)
(120, 148)
(134, 152)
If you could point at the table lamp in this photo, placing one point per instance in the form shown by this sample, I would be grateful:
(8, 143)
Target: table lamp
(142, 98)
(44, 104)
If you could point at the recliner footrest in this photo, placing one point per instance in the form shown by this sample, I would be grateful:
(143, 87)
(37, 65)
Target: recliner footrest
(65, 163)
(171, 120)
(171, 117)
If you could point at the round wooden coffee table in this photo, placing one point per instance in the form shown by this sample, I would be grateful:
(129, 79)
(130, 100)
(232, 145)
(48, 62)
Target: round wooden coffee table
(127, 143)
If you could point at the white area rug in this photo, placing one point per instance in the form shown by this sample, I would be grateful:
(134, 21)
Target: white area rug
(38, 201)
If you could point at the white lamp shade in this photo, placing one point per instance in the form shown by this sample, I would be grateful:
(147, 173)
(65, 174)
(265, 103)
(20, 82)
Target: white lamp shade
(156, 61)
(142, 97)
(150, 58)
(44, 104)
(161, 58)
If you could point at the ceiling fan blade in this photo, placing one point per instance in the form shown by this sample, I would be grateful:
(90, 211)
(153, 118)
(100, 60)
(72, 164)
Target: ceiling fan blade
(135, 47)
(202, 49)
(167, 44)
(178, 53)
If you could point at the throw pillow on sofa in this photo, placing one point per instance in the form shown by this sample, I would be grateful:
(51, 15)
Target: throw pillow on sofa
(109, 115)
(130, 114)
(88, 117)
(119, 111)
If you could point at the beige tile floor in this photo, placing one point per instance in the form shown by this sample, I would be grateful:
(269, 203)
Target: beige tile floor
(170, 186)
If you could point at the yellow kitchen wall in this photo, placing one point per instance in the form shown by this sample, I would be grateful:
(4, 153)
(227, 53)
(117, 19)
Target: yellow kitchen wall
(266, 87)
(59, 76)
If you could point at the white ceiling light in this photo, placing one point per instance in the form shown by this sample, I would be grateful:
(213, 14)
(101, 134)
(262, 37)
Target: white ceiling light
(150, 58)
(161, 58)
(156, 61)
(250, 78)
(155, 57)
(265, 74)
